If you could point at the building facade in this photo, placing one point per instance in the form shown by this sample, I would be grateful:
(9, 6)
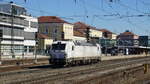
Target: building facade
(29, 34)
(108, 34)
(44, 43)
(94, 34)
(79, 36)
(144, 41)
(55, 28)
(128, 38)
(14, 23)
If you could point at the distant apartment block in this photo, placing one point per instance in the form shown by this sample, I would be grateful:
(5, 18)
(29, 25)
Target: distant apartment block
(128, 38)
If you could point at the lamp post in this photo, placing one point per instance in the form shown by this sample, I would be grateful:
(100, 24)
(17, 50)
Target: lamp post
(1, 38)
(106, 45)
(0, 52)
(35, 47)
(12, 29)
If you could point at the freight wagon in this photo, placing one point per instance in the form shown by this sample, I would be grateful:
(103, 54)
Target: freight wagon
(72, 53)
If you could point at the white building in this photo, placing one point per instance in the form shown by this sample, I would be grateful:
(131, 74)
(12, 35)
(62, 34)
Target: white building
(17, 31)
(29, 34)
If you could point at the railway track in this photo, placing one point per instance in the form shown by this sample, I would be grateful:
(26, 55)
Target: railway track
(53, 75)
(100, 75)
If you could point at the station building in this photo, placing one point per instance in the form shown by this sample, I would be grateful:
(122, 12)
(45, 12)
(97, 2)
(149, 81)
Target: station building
(144, 41)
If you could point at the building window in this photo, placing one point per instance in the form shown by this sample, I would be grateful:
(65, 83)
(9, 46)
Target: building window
(55, 30)
(46, 31)
(34, 24)
(55, 39)
(31, 48)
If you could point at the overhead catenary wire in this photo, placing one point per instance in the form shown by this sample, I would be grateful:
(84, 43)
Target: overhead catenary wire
(134, 9)
(85, 10)
(97, 15)
(135, 26)
(106, 15)
(145, 3)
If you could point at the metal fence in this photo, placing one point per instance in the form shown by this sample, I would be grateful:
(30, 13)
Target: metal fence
(23, 53)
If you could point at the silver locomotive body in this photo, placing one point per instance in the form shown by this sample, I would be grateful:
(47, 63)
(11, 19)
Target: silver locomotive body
(70, 53)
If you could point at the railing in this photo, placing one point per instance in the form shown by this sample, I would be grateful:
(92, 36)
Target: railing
(23, 53)
(17, 21)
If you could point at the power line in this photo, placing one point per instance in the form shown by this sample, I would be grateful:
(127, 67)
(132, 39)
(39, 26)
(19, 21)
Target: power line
(98, 8)
(125, 6)
(113, 9)
(95, 15)
(148, 4)
(85, 10)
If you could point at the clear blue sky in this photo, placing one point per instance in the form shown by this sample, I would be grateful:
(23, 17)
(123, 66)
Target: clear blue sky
(116, 16)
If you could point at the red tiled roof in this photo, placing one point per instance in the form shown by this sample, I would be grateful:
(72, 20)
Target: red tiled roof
(81, 25)
(128, 33)
(105, 30)
(42, 36)
(78, 33)
(51, 19)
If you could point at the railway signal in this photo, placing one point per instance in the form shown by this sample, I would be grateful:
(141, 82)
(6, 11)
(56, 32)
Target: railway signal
(88, 34)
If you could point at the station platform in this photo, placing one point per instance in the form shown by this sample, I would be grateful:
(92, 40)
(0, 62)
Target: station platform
(25, 60)
(104, 58)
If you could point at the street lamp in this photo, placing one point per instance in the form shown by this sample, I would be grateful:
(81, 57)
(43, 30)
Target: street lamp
(1, 36)
(12, 29)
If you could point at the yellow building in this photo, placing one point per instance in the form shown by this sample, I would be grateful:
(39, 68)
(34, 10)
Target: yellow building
(108, 34)
(55, 28)
(79, 36)
(114, 36)
(82, 27)
(95, 33)
(44, 42)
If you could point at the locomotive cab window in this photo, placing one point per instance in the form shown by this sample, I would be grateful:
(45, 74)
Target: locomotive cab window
(58, 46)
